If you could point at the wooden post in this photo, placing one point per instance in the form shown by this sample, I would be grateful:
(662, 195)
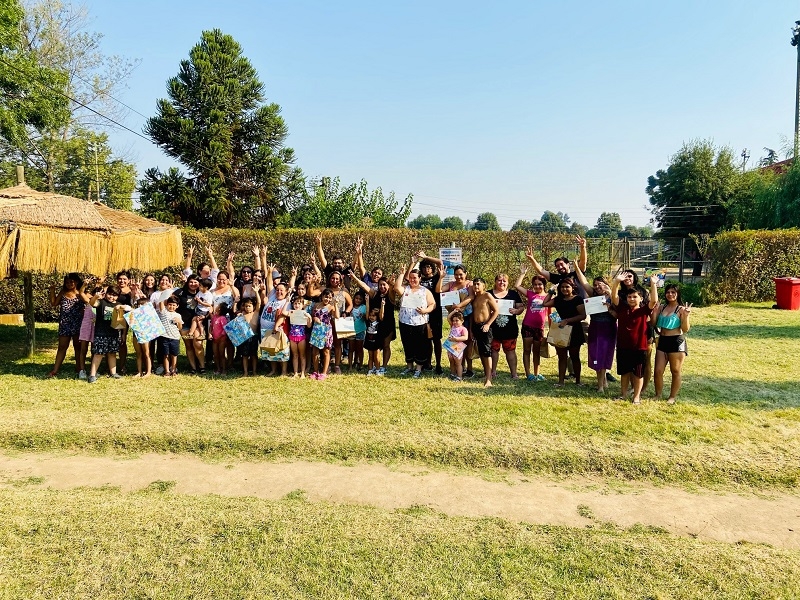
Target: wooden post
(30, 322)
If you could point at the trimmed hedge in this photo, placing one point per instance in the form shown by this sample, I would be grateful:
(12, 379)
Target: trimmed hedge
(485, 253)
(743, 264)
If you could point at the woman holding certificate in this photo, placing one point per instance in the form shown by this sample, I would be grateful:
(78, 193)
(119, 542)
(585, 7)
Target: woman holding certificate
(505, 329)
(458, 295)
(416, 303)
(602, 327)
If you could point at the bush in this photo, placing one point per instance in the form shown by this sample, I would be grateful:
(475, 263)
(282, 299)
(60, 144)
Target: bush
(693, 293)
(744, 263)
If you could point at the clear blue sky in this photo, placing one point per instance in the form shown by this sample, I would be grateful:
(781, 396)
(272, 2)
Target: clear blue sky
(515, 108)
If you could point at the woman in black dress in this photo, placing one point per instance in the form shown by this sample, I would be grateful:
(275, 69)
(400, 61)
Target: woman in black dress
(571, 312)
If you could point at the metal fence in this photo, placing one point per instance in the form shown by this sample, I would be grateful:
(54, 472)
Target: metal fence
(679, 258)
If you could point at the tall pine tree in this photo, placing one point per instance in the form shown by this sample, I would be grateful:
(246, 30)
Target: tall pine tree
(217, 125)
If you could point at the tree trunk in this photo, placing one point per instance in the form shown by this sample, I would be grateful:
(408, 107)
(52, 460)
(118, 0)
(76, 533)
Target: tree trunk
(30, 322)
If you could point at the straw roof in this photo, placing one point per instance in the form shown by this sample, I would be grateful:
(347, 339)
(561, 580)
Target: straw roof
(44, 232)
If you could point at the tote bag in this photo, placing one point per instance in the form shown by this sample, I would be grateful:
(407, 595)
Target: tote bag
(559, 336)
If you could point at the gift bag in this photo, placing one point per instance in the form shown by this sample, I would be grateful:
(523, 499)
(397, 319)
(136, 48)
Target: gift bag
(238, 331)
(275, 343)
(345, 327)
(118, 317)
(145, 324)
(471, 351)
(546, 350)
(559, 336)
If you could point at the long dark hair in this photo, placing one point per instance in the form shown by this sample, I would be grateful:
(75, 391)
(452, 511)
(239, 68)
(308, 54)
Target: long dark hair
(673, 286)
(185, 288)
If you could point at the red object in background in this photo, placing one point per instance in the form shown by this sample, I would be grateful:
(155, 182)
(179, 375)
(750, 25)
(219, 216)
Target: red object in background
(787, 292)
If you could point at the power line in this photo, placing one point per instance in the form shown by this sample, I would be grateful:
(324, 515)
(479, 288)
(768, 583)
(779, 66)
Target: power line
(118, 124)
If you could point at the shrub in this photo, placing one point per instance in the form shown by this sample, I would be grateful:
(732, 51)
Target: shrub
(693, 293)
(744, 263)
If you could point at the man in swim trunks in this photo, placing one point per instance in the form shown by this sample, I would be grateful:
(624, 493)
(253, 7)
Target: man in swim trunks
(484, 313)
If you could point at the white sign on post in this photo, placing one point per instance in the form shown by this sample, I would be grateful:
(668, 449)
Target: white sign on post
(450, 257)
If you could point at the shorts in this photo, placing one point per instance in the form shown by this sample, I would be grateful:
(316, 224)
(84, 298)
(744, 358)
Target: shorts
(506, 345)
(248, 348)
(483, 340)
(169, 346)
(105, 344)
(201, 313)
(672, 343)
(360, 336)
(534, 333)
(631, 361)
(297, 338)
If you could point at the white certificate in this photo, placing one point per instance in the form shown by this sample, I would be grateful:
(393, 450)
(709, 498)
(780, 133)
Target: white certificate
(595, 305)
(167, 293)
(504, 307)
(450, 298)
(298, 317)
(414, 301)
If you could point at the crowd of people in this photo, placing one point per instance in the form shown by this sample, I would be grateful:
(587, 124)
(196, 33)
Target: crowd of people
(325, 311)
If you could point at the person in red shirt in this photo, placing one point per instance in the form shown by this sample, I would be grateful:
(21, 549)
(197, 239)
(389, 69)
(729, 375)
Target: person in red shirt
(632, 320)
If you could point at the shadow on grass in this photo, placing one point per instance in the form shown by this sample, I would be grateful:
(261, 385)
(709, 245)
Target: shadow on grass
(705, 390)
(738, 330)
(696, 390)
(13, 350)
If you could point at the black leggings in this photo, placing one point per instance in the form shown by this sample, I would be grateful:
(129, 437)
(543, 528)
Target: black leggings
(416, 345)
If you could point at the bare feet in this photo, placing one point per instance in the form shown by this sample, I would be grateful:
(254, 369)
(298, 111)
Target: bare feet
(670, 400)
(637, 400)
(52, 373)
(487, 383)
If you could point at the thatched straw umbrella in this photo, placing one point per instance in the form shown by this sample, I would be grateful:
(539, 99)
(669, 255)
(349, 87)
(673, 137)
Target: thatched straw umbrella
(41, 232)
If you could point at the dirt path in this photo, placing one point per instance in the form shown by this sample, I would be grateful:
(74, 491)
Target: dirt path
(772, 519)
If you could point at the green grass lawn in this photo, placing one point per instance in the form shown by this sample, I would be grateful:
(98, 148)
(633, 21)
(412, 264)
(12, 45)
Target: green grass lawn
(737, 424)
(100, 543)
(737, 421)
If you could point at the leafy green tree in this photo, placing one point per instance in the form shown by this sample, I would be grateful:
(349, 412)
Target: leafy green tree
(772, 200)
(578, 229)
(168, 195)
(454, 223)
(31, 95)
(553, 222)
(79, 164)
(523, 225)
(486, 222)
(693, 194)
(636, 232)
(57, 38)
(331, 205)
(426, 222)
(608, 225)
(215, 122)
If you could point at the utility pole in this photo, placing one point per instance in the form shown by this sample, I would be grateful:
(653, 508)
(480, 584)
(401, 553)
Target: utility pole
(796, 44)
(97, 170)
(745, 157)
